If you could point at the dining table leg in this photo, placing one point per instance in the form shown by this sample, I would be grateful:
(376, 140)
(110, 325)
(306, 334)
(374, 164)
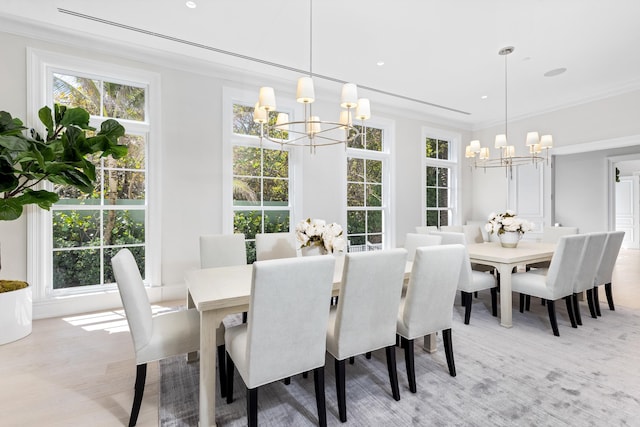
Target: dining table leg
(430, 343)
(209, 320)
(193, 356)
(505, 294)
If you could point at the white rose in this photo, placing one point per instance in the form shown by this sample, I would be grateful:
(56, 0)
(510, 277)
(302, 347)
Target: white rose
(488, 227)
(339, 244)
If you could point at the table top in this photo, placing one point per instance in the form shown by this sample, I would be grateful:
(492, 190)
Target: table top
(214, 288)
(525, 252)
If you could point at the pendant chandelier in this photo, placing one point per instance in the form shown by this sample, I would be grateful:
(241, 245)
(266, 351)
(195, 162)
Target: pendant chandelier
(311, 132)
(508, 159)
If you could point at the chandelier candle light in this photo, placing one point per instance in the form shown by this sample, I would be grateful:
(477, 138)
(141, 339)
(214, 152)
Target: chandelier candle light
(508, 158)
(311, 132)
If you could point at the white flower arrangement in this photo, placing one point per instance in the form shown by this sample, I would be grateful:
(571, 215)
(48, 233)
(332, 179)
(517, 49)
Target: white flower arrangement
(317, 232)
(506, 221)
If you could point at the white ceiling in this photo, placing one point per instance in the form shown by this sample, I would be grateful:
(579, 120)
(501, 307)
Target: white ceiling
(435, 51)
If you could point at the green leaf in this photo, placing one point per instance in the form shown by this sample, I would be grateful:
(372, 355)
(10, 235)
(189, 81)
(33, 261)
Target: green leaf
(10, 209)
(42, 198)
(14, 143)
(76, 117)
(44, 114)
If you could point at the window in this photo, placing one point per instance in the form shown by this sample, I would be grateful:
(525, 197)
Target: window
(367, 190)
(261, 184)
(72, 244)
(440, 175)
(88, 230)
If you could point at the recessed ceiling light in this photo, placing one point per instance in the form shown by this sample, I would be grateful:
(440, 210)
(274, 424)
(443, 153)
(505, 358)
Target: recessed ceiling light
(484, 97)
(555, 72)
(380, 63)
(191, 4)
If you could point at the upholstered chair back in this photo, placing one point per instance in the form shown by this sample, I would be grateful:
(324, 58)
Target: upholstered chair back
(275, 246)
(564, 265)
(368, 305)
(134, 298)
(428, 304)
(612, 246)
(553, 234)
(425, 229)
(222, 250)
(590, 259)
(417, 240)
(287, 321)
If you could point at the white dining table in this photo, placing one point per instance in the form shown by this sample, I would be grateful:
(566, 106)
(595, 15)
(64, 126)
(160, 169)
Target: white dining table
(504, 260)
(216, 293)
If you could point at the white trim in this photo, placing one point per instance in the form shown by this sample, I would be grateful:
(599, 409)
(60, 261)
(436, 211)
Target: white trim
(387, 157)
(455, 147)
(232, 96)
(39, 65)
(604, 144)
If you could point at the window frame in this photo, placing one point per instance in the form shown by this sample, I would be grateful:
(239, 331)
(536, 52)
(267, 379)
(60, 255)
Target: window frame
(453, 163)
(41, 65)
(387, 156)
(230, 139)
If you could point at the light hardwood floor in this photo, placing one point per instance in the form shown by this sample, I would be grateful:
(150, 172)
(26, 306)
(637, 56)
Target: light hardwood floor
(79, 370)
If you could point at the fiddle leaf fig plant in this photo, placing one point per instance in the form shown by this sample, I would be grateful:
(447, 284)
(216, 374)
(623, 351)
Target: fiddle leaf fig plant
(63, 157)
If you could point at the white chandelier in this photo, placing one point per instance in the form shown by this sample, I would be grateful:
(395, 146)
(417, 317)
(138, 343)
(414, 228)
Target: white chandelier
(508, 158)
(311, 132)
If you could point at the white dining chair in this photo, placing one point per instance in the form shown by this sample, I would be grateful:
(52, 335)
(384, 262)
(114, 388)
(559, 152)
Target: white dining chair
(556, 282)
(604, 274)
(279, 343)
(471, 280)
(154, 337)
(275, 246)
(223, 250)
(428, 305)
(365, 317)
(413, 241)
(585, 276)
(451, 228)
(425, 229)
(552, 235)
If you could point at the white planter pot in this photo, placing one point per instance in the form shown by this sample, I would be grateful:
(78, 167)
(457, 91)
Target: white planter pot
(16, 311)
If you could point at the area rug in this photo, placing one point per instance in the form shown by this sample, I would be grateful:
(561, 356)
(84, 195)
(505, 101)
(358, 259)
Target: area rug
(522, 376)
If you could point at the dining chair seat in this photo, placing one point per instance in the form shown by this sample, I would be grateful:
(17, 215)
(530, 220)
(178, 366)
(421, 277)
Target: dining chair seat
(154, 337)
(278, 343)
(428, 304)
(365, 318)
(558, 281)
(604, 273)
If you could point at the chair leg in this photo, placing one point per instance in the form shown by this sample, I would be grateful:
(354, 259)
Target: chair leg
(318, 382)
(252, 406)
(522, 303)
(596, 301)
(576, 309)
(572, 317)
(494, 302)
(409, 362)
(393, 372)
(352, 360)
(608, 291)
(551, 308)
(368, 355)
(244, 317)
(141, 377)
(287, 381)
(448, 351)
(340, 390)
(592, 306)
(305, 374)
(467, 301)
(527, 303)
(222, 370)
(230, 369)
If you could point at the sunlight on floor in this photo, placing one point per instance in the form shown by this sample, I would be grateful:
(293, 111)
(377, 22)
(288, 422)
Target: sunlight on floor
(112, 321)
